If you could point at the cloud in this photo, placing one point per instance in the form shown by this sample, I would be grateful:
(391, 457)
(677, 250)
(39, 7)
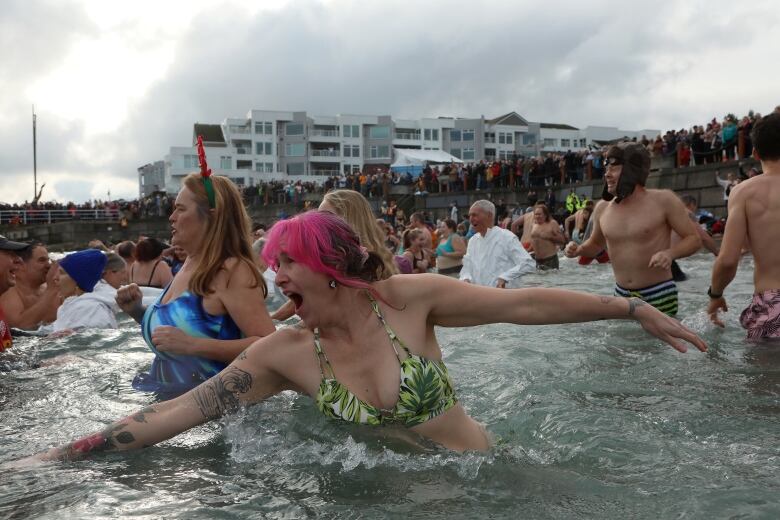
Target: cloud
(603, 63)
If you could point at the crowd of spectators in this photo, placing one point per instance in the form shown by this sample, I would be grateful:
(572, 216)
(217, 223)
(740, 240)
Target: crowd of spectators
(713, 142)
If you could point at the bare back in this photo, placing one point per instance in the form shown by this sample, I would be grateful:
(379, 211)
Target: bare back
(755, 209)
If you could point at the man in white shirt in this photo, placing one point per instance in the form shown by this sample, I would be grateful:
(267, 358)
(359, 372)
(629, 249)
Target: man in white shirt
(494, 257)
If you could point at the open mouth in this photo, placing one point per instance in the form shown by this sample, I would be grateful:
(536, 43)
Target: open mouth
(296, 298)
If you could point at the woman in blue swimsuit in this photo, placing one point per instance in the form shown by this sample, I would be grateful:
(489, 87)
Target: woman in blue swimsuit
(214, 308)
(368, 352)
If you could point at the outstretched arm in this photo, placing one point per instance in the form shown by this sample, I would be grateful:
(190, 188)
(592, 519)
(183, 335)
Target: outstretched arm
(450, 304)
(247, 380)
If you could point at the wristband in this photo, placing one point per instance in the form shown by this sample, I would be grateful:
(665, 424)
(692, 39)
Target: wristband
(712, 295)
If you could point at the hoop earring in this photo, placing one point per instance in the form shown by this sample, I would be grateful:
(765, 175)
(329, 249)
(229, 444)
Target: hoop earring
(332, 284)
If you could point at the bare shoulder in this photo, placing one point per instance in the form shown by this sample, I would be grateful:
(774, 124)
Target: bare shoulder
(284, 342)
(402, 289)
(752, 187)
(236, 273)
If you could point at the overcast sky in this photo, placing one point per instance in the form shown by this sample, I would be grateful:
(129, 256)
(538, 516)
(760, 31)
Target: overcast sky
(115, 84)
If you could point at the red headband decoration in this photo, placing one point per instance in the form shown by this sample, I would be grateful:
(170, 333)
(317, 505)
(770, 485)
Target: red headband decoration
(205, 173)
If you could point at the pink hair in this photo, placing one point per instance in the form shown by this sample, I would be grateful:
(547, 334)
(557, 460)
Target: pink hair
(325, 243)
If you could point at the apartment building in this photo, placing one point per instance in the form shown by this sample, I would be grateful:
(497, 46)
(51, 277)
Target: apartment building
(277, 145)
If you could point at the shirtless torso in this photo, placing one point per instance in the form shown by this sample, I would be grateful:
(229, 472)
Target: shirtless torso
(637, 233)
(546, 237)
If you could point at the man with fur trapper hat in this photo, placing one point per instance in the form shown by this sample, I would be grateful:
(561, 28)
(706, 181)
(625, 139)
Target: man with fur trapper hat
(635, 225)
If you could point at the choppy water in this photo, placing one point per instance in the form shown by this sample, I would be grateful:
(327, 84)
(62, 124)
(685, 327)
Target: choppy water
(593, 420)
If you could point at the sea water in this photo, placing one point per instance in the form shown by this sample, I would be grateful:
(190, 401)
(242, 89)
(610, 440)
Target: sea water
(591, 420)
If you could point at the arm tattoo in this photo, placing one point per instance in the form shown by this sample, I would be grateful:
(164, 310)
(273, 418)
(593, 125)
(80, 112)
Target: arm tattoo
(634, 304)
(140, 415)
(106, 440)
(242, 356)
(219, 395)
(607, 299)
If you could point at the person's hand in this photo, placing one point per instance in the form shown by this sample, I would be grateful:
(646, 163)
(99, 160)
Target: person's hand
(53, 277)
(572, 250)
(661, 259)
(501, 283)
(664, 327)
(172, 339)
(715, 305)
(129, 297)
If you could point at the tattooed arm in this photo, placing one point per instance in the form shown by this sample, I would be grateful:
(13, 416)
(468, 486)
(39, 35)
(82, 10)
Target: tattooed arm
(247, 380)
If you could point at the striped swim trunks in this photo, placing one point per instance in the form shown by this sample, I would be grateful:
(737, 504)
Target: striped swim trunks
(662, 296)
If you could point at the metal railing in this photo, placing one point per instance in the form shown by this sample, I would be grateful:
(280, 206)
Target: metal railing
(324, 133)
(41, 216)
(411, 136)
(326, 173)
(325, 153)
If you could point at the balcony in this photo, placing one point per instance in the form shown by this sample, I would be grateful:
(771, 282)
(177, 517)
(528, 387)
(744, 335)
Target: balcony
(328, 135)
(243, 151)
(325, 153)
(239, 129)
(408, 136)
(325, 173)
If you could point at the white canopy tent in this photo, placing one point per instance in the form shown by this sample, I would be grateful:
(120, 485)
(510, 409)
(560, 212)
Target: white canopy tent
(405, 157)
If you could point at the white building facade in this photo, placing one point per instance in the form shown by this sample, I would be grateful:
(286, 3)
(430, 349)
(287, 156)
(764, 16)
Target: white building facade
(291, 146)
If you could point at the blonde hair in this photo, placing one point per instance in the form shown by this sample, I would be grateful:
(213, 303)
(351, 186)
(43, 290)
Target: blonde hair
(225, 234)
(354, 208)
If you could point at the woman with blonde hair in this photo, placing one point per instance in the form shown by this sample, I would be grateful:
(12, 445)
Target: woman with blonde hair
(355, 209)
(214, 308)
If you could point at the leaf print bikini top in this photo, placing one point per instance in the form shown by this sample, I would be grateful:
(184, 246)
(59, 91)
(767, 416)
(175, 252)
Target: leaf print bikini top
(426, 389)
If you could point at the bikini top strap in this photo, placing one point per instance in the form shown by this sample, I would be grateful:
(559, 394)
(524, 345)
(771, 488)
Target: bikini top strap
(390, 332)
(154, 267)
(321, 357)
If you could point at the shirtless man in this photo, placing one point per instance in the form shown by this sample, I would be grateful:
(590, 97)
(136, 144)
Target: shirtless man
(635, 226)
(546, 237)
(417, 221)
(754, 213)
(526, 223)
(35, 298)
(574, 222)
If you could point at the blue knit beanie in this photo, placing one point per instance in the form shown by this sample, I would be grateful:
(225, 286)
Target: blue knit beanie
(85, 267)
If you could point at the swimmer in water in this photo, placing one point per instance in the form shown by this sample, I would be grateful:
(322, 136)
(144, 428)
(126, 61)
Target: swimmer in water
(546, 237)
(361, 335)
(635, 225)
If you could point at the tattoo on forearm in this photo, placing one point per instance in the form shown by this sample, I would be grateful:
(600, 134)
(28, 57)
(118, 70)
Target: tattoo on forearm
(219, 395)
(140, 415)
(634, 304)
(106, 440)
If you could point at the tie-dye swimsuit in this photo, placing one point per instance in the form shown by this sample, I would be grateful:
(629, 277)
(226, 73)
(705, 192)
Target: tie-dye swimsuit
(762, 317)
(174, 374)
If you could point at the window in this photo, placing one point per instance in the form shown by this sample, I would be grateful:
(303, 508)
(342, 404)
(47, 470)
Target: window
(191, 161)
(293, 129)
(431, 134)
(380, 152)
(295, 168)
(565, 143)
(295, 149)
(351, 150)
(351, 130)
(264, 127)
(264, 167)
(454, 135)
(455, 152)
(269, 167)
(583, 143)
(550, 142)
(529, 139)
(505, 138)
(379, 132)
(226, 162)
(264, 148)
(238, 180)
(468, 135)
(468, 154)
